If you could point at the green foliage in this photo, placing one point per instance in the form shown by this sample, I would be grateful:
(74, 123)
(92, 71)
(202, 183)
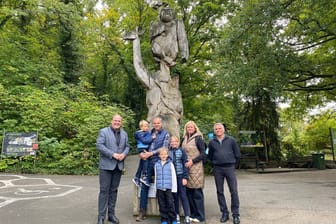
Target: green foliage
(317, 134)
(65, 70)
(302, 137)
(28, 48)
(276, 48)
(67, 119)
(286, 47)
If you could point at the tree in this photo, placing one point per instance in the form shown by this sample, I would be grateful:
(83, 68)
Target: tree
(200, 20)
(202, 101)
(42, 87)
(310, 35)
(310, 134)
(108, 64)
(28, 48)
(268, 46)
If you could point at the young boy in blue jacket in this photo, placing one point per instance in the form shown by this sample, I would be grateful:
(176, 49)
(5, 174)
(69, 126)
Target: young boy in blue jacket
(143, 139)
(165, 182)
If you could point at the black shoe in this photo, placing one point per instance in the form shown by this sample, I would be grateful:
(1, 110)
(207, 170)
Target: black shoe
(236, 220)
(100, 221)
(224, 218)
(113, 219)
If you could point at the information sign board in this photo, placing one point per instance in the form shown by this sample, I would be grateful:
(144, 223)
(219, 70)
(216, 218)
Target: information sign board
(19, 144)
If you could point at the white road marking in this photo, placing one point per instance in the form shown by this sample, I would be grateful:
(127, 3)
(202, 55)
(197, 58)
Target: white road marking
(13, 188)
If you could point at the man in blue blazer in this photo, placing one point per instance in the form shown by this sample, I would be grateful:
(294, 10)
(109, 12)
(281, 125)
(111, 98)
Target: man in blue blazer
(113, 147)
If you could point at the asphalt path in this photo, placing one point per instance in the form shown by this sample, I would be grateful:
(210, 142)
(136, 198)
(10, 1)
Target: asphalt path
(270, 198)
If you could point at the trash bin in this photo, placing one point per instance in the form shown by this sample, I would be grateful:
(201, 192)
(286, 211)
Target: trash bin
(318, 161)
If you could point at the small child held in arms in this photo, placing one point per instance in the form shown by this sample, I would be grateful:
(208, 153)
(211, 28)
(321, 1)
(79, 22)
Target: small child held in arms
(143, 138)
(179, 158)
(165, 182)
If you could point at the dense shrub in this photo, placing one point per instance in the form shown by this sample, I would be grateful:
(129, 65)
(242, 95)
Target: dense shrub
(67, 119)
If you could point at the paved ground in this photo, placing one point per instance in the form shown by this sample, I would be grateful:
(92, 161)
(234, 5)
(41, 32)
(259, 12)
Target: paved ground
(270, 198)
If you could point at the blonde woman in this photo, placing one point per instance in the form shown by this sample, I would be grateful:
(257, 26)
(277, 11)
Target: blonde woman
(194, 146)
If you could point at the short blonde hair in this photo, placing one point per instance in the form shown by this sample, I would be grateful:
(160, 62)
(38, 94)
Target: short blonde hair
(163, 149)
(175, 137)
(142, 123)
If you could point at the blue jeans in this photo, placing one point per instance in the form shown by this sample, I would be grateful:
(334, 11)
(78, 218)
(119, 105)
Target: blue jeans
(142, 168)
(144, 188)
(228, 173)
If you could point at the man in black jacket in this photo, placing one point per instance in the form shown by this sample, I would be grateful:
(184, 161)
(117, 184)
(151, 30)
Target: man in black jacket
(224, 154)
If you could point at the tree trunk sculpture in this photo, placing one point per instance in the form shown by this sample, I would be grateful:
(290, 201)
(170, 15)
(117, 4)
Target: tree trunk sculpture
(163, 95)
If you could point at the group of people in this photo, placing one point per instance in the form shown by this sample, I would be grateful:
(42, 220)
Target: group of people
(177, 167)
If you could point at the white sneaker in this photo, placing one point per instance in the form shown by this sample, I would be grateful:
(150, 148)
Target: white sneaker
(194, 220)
(178, 219)
(144, 181)
(136, 181)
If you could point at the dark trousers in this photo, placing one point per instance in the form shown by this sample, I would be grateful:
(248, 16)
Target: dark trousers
(142, 168)
(181, 194)
(196, 203)
(144, 188)
(166, 205)
(228, 173)
(109, 181)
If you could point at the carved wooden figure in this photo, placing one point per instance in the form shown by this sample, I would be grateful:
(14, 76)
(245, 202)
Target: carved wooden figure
(163, 97)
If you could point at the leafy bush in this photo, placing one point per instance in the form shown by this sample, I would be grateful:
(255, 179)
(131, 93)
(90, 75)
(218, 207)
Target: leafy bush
(67, 119)
(300, 137)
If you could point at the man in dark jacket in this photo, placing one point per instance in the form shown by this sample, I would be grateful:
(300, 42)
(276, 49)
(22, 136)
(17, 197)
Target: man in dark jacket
(160, 139)
(113, 147)
(224, 154)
